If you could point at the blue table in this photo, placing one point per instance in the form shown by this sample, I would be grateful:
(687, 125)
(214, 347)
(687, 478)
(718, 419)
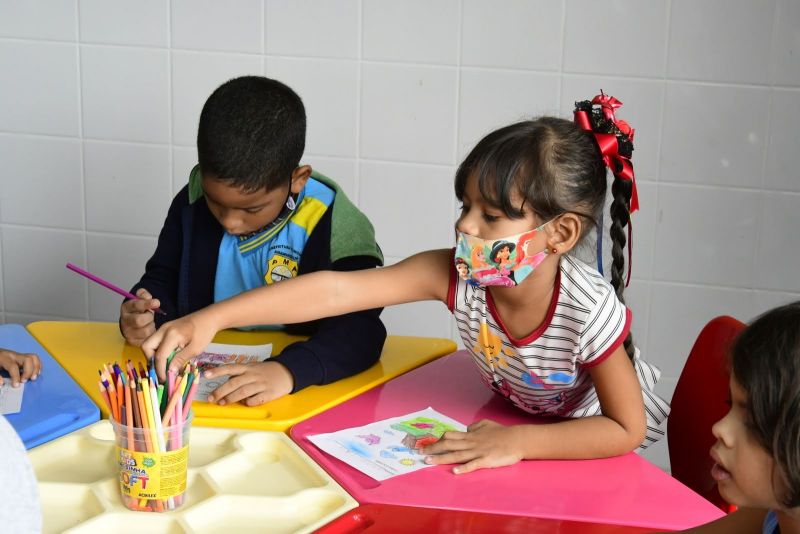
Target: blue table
(53, 404)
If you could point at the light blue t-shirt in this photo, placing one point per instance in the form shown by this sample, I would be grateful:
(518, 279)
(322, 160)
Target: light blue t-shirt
(273, 254)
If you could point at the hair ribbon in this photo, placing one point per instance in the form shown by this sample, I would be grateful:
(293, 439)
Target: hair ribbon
(620, 166)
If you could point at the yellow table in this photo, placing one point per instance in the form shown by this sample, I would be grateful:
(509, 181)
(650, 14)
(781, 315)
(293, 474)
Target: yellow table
(82, 348)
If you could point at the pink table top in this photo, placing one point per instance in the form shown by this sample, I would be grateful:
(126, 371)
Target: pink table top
(625, 490)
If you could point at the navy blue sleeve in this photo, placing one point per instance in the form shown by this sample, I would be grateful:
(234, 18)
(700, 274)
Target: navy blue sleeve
(339, 346)
(162, 269)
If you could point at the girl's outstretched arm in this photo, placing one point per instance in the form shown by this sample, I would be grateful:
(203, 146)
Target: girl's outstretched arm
(424, 276)
(620, 429)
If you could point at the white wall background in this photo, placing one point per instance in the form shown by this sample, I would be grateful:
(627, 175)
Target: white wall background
(99, 103)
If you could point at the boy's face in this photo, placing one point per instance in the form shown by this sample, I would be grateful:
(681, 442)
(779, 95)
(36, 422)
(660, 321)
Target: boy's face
(743, 470)
(242, 213)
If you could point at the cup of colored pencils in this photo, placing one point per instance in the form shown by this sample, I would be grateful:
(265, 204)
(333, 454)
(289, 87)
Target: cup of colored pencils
(151, 423)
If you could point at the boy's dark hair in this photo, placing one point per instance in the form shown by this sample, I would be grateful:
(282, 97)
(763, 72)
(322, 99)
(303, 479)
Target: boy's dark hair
(765, 361)
(557, 168)
(252, 133)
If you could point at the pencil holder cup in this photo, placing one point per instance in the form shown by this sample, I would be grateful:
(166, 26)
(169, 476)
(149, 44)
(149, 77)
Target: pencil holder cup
(153, 465)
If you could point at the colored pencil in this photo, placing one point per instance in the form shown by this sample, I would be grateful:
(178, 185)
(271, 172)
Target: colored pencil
(129, 418)
(104, 393)
(107, 285)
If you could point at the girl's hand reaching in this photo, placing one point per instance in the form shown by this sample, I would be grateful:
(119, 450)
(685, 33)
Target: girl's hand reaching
(484, 444)
(186, 337)
(20, 367)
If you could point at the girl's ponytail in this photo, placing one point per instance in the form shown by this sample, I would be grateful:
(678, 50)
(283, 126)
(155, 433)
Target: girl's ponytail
(615, 140)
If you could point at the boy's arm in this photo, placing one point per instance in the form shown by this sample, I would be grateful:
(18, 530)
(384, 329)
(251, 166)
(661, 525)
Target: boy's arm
(340, 346)
(160, 277)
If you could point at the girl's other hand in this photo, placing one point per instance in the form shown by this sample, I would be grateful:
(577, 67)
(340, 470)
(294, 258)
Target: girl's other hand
(484, 444)
(20, 367)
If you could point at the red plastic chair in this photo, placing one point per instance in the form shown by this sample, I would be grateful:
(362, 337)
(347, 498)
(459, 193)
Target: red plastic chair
(699, 401)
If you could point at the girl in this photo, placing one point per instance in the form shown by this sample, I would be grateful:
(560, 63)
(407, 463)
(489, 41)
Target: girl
(552, 343)
(757, 453)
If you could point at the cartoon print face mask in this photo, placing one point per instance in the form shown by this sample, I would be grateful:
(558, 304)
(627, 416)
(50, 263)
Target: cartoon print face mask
(496, 262)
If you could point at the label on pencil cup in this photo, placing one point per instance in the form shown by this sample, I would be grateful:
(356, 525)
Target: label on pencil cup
(152, 475)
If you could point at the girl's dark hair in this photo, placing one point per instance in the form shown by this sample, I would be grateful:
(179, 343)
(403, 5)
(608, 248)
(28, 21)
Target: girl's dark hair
(252, 133)
(557, 168)
(765, 361)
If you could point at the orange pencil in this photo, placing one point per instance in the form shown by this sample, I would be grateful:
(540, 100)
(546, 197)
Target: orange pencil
(104, 393)
(143, 418)
(129, 418)
(112, 396)
(137, 421)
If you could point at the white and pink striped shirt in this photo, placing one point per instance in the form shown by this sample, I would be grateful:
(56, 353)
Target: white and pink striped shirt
(546, 373)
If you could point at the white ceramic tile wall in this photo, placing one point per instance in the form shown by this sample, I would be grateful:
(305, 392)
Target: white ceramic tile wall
(408, 112)
(313, 28)
(39, 93)
(144, 23)
(127, 187)
(39, 19)
(387, 26)
(125, 93)
(99, 104)
(209, 25)
(700, 48)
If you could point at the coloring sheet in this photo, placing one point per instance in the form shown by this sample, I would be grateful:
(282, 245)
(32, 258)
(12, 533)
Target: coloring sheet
(217, 354)
(10, 397)
(388, 448)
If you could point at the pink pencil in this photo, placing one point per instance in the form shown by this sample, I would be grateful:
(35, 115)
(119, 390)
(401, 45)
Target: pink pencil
(108, 285)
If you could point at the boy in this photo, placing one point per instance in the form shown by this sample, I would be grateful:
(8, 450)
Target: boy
(251, 215)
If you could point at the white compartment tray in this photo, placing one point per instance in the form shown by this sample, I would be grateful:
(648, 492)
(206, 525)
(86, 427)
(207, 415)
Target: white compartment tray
(238, 481)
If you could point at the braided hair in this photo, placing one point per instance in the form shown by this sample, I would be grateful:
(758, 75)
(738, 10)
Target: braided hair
(599, 120)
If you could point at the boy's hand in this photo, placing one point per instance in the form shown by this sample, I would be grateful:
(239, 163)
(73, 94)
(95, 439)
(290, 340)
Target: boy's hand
(254, 383)
(20, 367)
(136, 318)
(188, 336)
(484, 444)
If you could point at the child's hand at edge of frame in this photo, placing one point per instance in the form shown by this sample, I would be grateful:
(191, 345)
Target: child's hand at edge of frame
(484, 444)
(252, 384)
(20, 367)
(186, 337)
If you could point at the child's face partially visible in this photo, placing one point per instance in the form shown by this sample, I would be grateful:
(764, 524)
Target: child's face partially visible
(480, 219)
(242, 213)
(744, 469)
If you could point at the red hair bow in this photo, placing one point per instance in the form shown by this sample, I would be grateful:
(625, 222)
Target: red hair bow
(620, 165)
